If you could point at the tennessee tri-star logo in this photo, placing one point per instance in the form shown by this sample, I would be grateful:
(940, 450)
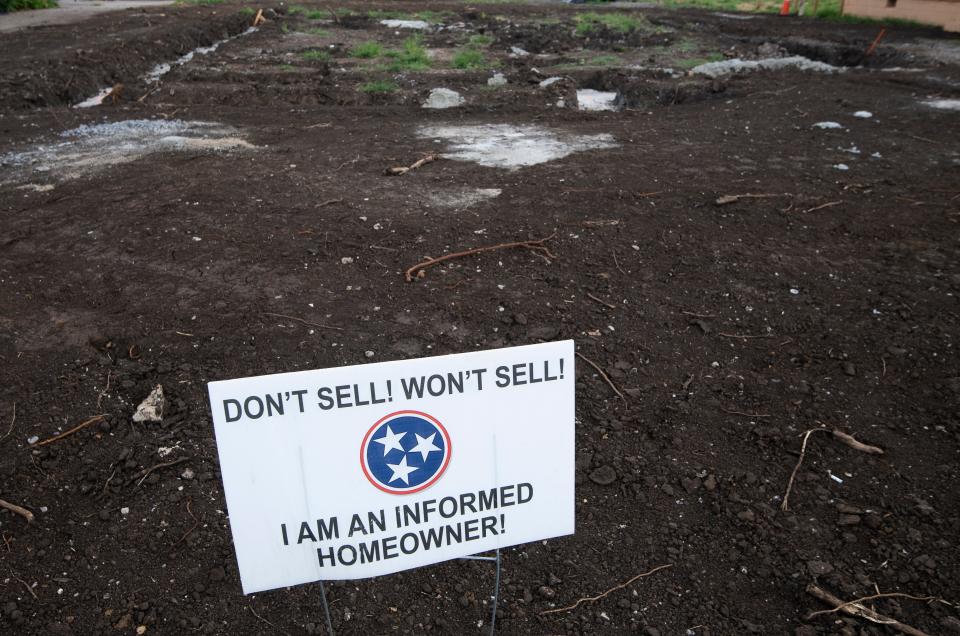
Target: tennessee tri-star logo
(405, 452)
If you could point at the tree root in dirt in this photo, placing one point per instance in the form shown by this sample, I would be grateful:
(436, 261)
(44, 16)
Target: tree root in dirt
(602, 375)
(846, 438)
(23, 512)
(82, 425)
(856, 608)
(590, 599)
(401, 170)
(538, 247)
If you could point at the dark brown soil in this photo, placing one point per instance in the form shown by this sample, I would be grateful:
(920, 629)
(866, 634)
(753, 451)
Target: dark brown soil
(831, 301)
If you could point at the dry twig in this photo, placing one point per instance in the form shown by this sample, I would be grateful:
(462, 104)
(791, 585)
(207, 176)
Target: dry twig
(822, 206)
(590, 599)
(846, 438)
(23, 512)
(302, 321)
(147, 472)
(196, 522)
(742, 337)
(602, 375)
(26, 585)
(538, 247)
(733, 198)
(863, 599)
(725, 410)
(258, 19)
(602, 302)
(13, 419)
(401, 170)
(82, 425)
(784, 505)
(854, 608)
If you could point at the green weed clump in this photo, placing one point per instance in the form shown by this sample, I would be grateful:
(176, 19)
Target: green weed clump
(23, 5)
(367, 50)
(469, 59)
(412, 57)
(198, 3)
(314, 55)
(480, 40)
(620, 22)
(379, 87)
(248, 11)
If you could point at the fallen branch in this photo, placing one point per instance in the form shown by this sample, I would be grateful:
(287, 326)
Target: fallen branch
(854, 608)
(742, 337)
(846, 438)
(727, 199)
(147, 472)
(590, 599)
(23, 512)
(92, 420)
(258, 19)
(602, 375)
(401, 170)
(302, 321)
(536, 246)
(602, 302)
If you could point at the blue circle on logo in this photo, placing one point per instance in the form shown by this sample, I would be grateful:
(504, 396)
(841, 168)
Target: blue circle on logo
(405, 452)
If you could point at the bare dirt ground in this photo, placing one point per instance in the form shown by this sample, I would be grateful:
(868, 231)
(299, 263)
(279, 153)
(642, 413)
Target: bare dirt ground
(269, 239)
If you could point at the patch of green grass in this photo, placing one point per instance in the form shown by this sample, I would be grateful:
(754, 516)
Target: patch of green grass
(316, 55)
(367, 50)
(480, 40)
(322, 33)
(248, 11)
(412, 57)
(691, 62)
(604, 60)
(620, 22)
(287, 67)
(24, 5)
(468, 59)
(379, 87)
(296, 10)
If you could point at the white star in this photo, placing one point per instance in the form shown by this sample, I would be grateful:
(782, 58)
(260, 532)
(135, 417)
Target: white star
(390, 441)
(425, 446)
(401, 470)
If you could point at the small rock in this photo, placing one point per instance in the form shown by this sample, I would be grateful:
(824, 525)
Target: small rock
(518, 52)
(547, 592)
(498, 79)
(710, 483)
(443, 98)
(863, 114)
(188, 474)
(704, 327)
(33, 439)
(604, 476)
(346, 260)
(545, 332)
(690, 485)
(151, 409)
(819, 568)
(896, 351)
(124, 511)
(848, 520)
(368, 354)
(746, 515)
(141, 630)
(849, 368)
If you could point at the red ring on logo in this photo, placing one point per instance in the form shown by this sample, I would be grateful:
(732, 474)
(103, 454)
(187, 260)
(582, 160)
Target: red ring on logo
(386, 489)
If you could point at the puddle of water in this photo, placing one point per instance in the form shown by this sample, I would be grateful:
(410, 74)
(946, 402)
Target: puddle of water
(736, 65)
(153, 76)
(943, 104)
(589, 99)
(405, 24)
(512, 147)
(464, 197)
(92, 148)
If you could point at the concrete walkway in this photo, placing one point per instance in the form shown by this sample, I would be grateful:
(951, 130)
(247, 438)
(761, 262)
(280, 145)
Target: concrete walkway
(70, 11)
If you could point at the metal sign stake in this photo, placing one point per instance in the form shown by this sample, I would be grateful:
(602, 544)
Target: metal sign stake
(495, 597)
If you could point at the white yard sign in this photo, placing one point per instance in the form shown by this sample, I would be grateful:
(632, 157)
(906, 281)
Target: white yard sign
(366, 470)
